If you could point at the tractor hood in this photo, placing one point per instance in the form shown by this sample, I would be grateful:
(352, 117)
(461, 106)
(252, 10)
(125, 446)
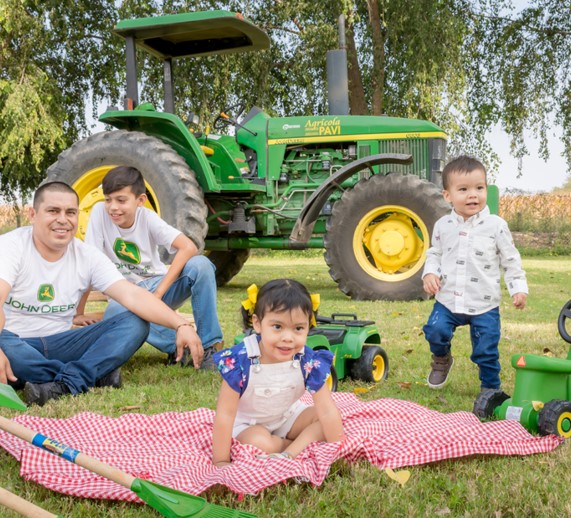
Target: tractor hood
(331, 128)
(194, 34)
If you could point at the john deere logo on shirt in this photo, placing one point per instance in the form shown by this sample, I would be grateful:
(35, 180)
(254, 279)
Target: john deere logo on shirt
(46, 293)
(127, 251)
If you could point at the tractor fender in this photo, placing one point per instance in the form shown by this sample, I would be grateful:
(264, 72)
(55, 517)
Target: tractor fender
(171, 130)
(303, 228)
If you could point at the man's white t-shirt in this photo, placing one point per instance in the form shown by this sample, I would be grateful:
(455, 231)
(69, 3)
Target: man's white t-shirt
(45, 294)
(134, 250)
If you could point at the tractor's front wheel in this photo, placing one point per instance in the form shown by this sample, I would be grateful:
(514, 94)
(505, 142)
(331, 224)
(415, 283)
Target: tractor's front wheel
(487, 402)
(378, 234)
(228, 263)
(555, 418)
(172, 189)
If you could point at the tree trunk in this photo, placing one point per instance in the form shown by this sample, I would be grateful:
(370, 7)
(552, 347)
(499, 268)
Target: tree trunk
(357, 101)
(378, 75)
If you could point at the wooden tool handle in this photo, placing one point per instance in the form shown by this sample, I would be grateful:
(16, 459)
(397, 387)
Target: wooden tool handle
(25, 508)
(81, 459)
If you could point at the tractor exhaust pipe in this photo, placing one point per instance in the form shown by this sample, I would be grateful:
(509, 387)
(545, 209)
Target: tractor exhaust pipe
(337, 80)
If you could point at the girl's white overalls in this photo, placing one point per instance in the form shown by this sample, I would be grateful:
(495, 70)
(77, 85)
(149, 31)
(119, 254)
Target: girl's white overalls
(272, 395)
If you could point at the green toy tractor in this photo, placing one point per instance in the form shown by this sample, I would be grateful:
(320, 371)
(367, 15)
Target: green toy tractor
(366, 189)
(542, 395)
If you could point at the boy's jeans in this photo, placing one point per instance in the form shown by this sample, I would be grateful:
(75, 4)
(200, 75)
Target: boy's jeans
(484, 333)
(78, 357)
(197, 281)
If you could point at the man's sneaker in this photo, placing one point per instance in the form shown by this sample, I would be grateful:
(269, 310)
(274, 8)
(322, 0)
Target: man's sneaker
(113, 379)
(41, 393)
(441, 366)
(185, 360)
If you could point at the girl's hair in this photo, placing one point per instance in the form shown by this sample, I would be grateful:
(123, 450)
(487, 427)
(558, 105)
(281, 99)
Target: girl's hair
(283, 295)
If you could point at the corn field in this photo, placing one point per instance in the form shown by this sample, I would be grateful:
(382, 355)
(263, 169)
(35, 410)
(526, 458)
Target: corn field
(537, 212)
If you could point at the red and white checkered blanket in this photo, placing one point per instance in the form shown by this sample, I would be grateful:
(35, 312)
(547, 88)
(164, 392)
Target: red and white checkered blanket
(174, 449)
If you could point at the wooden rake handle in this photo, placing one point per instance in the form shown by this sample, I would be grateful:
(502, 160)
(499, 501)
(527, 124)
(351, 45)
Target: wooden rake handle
(75, 456)
(23, 507)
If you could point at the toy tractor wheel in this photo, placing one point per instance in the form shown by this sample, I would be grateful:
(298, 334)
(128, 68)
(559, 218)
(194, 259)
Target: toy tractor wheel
(228, 264)
(371, 366)
(332, 380)
(555, 418)
(378, 234)
(172, 189)
(487, 402)
(562, 322)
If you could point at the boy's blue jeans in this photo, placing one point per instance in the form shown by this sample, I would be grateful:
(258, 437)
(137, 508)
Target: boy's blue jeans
(197, 281)
(484, 333)
(78, 357)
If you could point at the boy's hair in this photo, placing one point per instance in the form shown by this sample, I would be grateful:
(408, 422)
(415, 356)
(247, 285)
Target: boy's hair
(124, 176)
(283, 295)
(51, 187)
(461, 164)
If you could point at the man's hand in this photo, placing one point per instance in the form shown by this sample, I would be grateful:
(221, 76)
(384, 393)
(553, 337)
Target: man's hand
(186, 337)
(431, 283)
(6, 373)
(85, 320)
(519, 300)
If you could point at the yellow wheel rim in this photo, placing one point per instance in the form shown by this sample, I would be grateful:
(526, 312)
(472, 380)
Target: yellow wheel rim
(378, 368)
(88, 188)
(390, 243)
(564, 425)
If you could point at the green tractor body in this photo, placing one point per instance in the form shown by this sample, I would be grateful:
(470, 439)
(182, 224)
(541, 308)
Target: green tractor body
(541, 400)
(366, 189)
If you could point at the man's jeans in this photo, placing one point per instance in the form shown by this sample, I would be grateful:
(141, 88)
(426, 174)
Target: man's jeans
(197, 281)
(78, 357)
(484, 333)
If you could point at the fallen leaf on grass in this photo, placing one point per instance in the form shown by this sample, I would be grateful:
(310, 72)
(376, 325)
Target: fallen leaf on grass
(537, 405)
(360, 390)
(443, 400)
(409, 351)
(547, 352)
(129, 408)
(400, 476)
(404, 384)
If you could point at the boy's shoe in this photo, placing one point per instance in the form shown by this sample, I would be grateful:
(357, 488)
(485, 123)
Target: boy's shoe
(185, 360)
(441, 366)
(207, 360)
(41, 393)
(113, 379)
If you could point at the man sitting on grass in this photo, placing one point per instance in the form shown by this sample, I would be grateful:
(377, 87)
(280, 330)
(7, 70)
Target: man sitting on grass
(44, 271)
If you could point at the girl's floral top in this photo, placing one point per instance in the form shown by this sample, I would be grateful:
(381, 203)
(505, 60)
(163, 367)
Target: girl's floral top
(234, 366)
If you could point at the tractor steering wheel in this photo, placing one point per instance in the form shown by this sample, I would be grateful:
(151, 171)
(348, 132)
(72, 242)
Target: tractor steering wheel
(236, 109)
(564, 315)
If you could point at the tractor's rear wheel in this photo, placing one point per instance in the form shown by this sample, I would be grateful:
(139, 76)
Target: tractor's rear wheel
(228, 263)
(378, 234)
(172, 189)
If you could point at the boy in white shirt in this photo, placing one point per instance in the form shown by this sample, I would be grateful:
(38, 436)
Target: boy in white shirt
(130, 234)
(470, 248)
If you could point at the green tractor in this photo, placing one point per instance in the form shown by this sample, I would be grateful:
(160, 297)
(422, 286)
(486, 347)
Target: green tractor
(366, 189)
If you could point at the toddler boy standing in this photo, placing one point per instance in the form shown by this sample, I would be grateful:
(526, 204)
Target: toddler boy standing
(470, 248)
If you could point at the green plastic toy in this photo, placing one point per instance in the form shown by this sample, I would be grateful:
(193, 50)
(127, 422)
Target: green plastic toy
(541, 401)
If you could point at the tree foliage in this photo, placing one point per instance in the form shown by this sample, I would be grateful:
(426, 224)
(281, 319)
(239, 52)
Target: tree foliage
(467, 65)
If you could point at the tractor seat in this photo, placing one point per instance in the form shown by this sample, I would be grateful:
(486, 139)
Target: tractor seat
(334, 336)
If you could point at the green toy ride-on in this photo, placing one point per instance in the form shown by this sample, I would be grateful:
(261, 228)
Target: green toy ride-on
(366, 189)
(542, 395)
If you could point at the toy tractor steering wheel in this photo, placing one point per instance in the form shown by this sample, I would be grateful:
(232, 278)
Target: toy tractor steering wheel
(225, 120)
(564, 315)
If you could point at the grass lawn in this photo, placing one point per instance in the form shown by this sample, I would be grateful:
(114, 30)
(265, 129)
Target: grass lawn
(477, 486)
